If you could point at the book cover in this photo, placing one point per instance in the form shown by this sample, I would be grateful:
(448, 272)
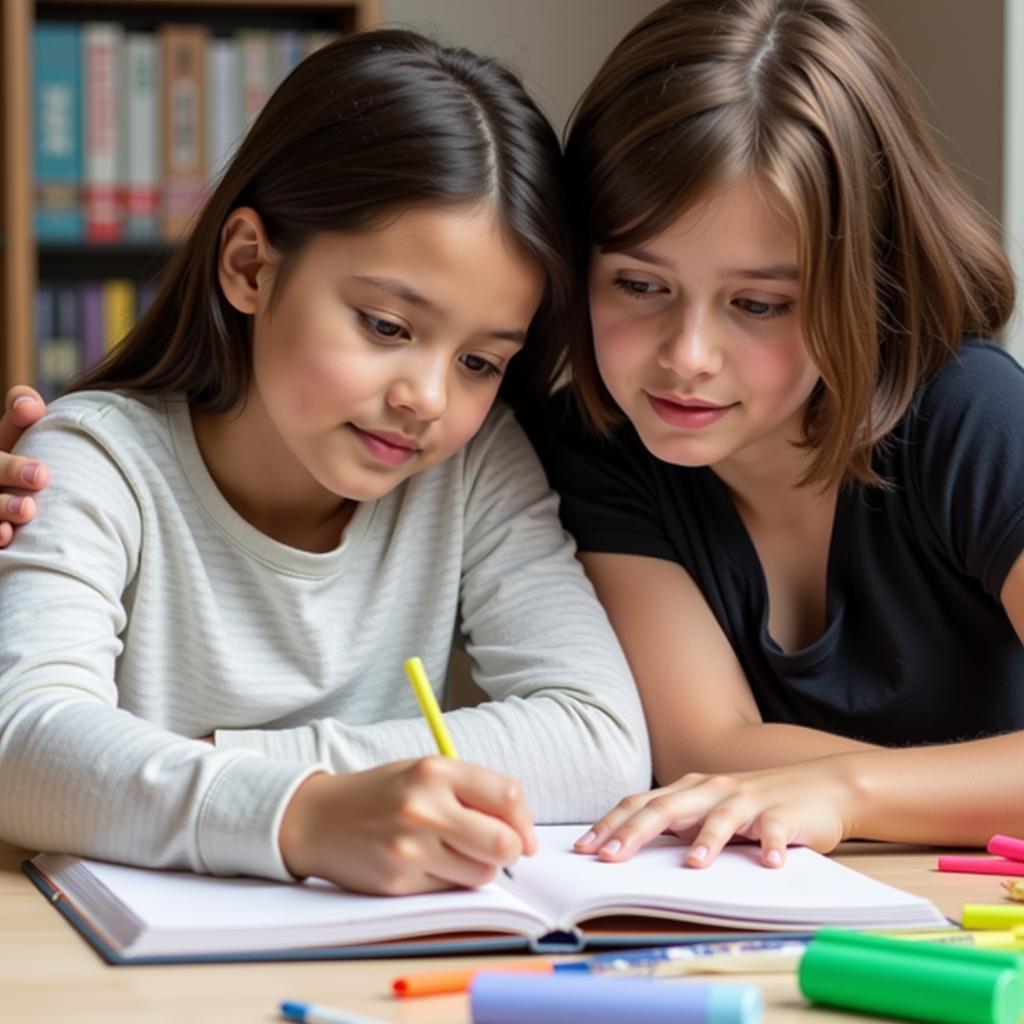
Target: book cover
(224, 120)
(93, 327)
(257, 59)
(183, 93)
(118, 310)
(59, 351)
(140, 137)
(57, 131)
(101, 55)
(557, 901)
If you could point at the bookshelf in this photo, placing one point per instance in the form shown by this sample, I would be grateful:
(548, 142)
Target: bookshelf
(24, 261)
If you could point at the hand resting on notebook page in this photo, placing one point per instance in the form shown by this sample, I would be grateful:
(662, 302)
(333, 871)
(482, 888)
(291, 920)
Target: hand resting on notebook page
(16, 472)
(409, 826)
(806, 804)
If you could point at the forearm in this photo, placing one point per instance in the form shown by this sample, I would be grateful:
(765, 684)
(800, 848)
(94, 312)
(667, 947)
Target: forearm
(954, 795)
(751, 746)
(573, 758)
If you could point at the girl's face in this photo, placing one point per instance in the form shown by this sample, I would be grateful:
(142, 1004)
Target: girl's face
(697, 333)
(385, 348)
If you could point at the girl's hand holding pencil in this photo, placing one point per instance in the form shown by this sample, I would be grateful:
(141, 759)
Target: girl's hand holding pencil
(406, 827)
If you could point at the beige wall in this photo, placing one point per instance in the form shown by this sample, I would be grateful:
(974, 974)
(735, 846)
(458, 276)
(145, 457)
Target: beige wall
(955, 50)
(556, 45)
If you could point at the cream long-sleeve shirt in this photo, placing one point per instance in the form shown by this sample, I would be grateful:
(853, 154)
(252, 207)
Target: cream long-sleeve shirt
(139, 611)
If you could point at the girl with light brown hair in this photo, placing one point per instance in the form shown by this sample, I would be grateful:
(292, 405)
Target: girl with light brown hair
(792, 460)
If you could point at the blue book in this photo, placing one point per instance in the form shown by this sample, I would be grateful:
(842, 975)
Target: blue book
(57, 131)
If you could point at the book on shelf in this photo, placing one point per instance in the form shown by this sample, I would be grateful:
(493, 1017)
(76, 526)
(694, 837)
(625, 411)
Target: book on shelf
(555, 901)
(139, 138)
(57, 132)
(101, 49)
(59, 342)
(131, 128)
(183, 92)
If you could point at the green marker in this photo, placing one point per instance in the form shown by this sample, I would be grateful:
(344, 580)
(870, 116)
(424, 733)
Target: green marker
(947, 985)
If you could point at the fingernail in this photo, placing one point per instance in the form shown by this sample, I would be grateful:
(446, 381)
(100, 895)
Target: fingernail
(774, 858)
(15, 506)
(611, 847)
(587, 839)
(28, 474)
(698, 853)
(21, 400)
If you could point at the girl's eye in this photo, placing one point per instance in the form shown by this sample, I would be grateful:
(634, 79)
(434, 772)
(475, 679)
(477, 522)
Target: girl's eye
(480, 367)
(637, 289)
(763, 310)
(386, 329)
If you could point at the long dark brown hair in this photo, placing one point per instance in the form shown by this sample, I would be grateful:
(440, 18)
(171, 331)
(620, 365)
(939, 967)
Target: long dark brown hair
(807, 97)
(361, 129)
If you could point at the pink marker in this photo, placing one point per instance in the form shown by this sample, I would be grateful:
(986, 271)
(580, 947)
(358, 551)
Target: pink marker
(1007, 846)
(981, 865)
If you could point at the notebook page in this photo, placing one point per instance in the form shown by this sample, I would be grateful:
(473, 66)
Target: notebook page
(179, 912)
(811, 889)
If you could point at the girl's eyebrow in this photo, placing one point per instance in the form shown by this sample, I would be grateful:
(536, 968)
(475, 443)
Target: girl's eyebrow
(400, 289)
(643, 255)
(773, 272)
(404, 291)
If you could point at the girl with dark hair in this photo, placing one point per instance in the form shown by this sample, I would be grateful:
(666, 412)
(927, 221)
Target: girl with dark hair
(291, 476)
(794, 470)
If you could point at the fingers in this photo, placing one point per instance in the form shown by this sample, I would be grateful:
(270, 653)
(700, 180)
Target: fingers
(639, 818)
(601, 831)
(16, 510)
(22, 407)
(501, 830)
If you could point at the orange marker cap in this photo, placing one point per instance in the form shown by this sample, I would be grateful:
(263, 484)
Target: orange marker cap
(432, 983)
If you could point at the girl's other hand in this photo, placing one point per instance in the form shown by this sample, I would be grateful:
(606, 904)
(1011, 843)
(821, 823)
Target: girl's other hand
(407, 827)
(807, 804)
(22, 408)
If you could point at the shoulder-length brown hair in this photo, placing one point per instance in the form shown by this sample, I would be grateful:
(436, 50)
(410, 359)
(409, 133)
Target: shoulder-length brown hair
(807, 96)
(361, 129)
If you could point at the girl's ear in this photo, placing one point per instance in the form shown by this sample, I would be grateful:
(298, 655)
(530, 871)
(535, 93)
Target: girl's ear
(244, 254)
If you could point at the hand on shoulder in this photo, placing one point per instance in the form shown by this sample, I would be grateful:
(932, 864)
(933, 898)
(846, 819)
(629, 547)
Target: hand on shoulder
(22, 408)
(406, 827)
(811, 803)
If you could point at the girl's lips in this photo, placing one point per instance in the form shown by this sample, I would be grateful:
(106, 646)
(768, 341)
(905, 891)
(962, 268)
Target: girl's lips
(687, 416)
(390, 449)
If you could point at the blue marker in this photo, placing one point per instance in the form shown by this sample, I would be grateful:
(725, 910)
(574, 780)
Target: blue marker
(742, 956)
(314, 1013)
(571, 998)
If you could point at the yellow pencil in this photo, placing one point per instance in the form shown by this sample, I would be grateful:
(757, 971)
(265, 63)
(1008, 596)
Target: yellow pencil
(428, 705)
(432, 713)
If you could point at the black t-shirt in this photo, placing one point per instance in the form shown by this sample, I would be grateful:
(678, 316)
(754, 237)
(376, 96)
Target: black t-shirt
(916, 646)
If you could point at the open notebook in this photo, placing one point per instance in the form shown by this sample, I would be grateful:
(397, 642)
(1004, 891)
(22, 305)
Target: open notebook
(134, 915)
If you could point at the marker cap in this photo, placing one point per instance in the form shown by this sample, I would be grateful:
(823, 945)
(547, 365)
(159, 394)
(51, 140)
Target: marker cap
(734, 1004)
(905, 980)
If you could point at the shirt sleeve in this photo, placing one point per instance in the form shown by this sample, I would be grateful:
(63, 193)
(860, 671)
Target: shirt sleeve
(966, 447)
(564, 716)
(610, 487)
(81, 774)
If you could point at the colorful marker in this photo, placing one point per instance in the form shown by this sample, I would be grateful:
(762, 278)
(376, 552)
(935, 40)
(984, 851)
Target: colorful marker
(1007, 846)
(570, 999)
(995, 915)
(316, 1013)
(981, 865)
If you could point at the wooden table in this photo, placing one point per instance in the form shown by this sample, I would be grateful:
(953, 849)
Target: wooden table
(49, 974)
